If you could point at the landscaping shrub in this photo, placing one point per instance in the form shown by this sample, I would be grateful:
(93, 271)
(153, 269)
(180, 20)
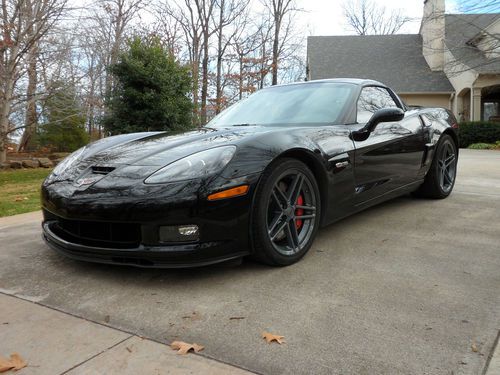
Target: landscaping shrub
(485, 146)
(479, 132)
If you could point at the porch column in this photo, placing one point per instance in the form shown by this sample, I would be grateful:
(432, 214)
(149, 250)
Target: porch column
(475, 104)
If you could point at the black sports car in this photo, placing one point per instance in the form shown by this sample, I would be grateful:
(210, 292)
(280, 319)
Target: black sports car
(259, 179)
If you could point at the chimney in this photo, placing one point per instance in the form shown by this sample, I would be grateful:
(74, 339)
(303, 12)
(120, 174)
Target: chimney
(432, 31)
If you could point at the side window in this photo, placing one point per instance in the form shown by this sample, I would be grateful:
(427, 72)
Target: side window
(372, 99)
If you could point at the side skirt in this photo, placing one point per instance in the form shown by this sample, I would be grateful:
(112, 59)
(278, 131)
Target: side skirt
(381, 198)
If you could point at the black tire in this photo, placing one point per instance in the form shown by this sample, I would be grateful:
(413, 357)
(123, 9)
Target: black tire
(283, 231)
(440, 178)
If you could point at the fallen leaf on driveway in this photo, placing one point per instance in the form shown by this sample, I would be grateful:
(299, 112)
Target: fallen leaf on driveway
(17, 361)
(184, 347)
(474, 347)
(5, 364)
(269, 337)
(14, 363)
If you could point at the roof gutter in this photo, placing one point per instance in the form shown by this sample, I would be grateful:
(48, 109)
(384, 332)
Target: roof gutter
(426, 93)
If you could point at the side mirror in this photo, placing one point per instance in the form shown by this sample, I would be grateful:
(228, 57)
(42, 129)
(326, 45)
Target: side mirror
(382, 115)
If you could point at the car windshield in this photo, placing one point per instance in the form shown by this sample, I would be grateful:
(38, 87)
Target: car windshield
(321, 102)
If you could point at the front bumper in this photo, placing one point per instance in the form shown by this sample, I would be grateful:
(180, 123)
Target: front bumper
(224, 226)
(174, 256)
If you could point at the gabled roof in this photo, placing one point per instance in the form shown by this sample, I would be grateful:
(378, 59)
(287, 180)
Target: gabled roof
(395, 60)
(460, 31)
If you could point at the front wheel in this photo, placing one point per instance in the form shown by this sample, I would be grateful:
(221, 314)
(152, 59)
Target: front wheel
(286, 214)
(440, 178)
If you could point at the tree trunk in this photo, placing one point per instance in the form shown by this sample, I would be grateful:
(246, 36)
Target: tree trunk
(275, 51)
(218, 77)
(196, 72)
(204, 79)
(28, 140)
(91, 111)
(4, 117)
(240, 78)
(91, 99)
(263, 68)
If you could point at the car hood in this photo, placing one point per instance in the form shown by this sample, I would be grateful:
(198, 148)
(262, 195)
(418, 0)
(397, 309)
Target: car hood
(159, 149)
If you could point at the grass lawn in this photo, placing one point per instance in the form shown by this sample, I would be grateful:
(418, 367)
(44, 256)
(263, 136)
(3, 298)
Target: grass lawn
(20, 190)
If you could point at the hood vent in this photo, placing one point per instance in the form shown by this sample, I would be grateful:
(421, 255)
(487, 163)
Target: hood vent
(102, 170)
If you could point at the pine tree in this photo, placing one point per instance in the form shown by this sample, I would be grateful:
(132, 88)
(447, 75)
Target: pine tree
(151, 91)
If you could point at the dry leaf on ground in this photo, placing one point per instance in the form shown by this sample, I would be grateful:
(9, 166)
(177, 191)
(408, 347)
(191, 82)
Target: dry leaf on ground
(17, 361)
(5, 364)
(269, 337)
(14, 363)
(184, 347)
(474, 347)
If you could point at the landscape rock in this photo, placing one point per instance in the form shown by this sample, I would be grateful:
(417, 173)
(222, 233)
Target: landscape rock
(57, 161)
(4, 165)
(45, 162)
(58, 155)
(30, 163)
(14, 164)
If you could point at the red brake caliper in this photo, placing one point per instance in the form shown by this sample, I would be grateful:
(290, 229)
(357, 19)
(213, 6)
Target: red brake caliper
(299, 211)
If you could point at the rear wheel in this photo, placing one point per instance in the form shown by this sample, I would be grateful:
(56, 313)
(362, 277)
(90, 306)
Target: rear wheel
(286, 213)
(440, 178)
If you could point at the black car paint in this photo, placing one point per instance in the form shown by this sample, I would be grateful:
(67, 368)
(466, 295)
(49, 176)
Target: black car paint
(351, 175)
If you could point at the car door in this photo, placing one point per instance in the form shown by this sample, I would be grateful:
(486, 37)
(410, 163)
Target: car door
(392, 155)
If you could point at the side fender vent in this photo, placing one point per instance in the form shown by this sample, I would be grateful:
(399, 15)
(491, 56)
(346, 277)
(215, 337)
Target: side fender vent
(102, 170)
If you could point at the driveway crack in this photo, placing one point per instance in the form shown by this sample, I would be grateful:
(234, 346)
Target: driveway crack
(97, 354)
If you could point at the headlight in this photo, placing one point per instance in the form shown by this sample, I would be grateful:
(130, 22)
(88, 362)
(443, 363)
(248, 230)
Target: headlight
(197, 165)
(70, 159)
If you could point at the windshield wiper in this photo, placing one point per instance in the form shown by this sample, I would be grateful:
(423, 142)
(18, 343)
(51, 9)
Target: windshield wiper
(244, 124)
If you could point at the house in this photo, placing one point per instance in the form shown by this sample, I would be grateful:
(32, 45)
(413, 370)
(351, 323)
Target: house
(453, 62)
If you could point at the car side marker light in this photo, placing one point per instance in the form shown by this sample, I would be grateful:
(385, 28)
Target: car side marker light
(229, 193)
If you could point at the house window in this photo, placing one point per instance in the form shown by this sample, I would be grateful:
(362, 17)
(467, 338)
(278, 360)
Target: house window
(491, 111)
(370, 100)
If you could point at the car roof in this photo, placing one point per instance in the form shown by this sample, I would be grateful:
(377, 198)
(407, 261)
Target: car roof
(354, 81)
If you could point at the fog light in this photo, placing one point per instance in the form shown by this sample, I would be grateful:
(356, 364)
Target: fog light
(181, 233)
(188, 230)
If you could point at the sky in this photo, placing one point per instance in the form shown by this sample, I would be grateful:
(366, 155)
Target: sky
(325, 17)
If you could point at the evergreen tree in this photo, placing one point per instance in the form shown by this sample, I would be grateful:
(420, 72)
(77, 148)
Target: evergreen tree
(64, 127)
(150, 92)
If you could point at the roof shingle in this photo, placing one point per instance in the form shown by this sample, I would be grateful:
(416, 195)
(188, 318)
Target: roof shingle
(395, 60)
(460, 29)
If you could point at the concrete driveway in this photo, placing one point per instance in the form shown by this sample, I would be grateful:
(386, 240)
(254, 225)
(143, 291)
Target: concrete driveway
(408, 287)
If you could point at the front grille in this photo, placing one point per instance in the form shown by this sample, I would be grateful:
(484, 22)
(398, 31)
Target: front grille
(97, 233)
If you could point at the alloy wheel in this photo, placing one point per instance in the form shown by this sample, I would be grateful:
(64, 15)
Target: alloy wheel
(447, 167)
(291, 213)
